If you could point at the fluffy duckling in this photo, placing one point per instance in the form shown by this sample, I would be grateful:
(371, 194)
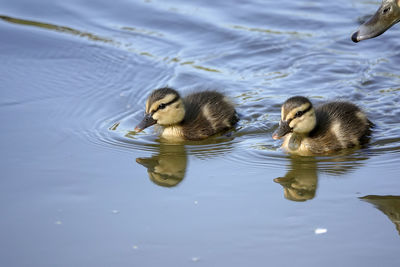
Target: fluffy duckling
(387, 15)
(194, 117)
(327, 128)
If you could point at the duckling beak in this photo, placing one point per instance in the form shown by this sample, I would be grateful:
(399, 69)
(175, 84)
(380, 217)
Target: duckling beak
(378, 23)
(146, 122)
(149, 163)
(282, 130)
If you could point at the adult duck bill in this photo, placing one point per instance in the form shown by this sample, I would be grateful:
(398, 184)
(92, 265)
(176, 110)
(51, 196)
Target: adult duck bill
(387, 15)
(146, 122)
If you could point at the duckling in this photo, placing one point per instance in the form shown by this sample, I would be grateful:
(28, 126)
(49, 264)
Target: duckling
(194, 117)
(327, 128)
(387, 15)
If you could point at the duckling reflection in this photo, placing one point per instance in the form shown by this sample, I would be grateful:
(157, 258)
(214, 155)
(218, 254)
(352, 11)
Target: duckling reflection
(300, 182)
(389, 205)
(167, 168)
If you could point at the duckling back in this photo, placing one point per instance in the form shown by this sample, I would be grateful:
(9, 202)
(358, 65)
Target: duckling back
(339, 125)
(207, 113)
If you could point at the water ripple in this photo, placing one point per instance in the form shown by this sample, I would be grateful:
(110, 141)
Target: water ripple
(250, 144)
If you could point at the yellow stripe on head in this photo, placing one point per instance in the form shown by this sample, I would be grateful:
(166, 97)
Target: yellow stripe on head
(147, 105)
(166, 99)
(291, 114)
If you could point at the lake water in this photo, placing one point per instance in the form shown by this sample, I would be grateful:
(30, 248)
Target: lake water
(80, 188)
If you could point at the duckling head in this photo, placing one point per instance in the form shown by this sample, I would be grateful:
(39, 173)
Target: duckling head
(164, 107)
(385, 17)
(297, 116)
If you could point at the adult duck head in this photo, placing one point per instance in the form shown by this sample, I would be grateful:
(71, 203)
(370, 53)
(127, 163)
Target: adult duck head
(387, 15)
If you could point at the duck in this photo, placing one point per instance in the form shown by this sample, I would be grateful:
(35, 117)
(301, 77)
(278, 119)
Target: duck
(196, 116)
(325, 129)
(385, 17)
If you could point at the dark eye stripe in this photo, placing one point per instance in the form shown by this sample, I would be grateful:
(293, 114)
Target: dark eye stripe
(163, 105)
(302, 112)
(298, 114)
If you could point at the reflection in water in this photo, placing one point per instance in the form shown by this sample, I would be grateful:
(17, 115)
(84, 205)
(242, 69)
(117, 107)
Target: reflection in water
(97, 38)
(58, 28)
(166, 168)
(390, 205)
(301, 180)
(268, 31)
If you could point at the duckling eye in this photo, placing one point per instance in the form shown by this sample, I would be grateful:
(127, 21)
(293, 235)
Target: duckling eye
(386, 10)
(298, 114)
(162, 106)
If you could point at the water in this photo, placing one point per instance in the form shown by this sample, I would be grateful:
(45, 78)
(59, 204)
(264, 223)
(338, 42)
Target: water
(79, 188)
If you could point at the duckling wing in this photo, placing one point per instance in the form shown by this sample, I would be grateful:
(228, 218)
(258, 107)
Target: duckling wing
(341, 125)
(207, 113)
